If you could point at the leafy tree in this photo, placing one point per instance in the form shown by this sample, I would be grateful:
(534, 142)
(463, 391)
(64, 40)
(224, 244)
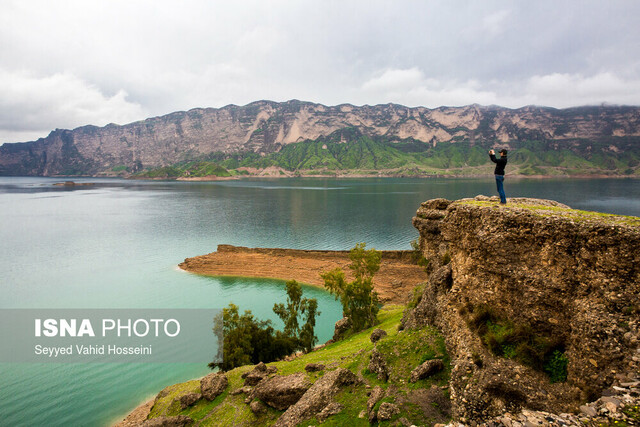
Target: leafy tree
(296, 307)
(307, 337)
(359, 300)
(247, 340)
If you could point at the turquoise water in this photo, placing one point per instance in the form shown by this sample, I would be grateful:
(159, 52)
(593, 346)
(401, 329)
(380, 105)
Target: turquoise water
(116, 245)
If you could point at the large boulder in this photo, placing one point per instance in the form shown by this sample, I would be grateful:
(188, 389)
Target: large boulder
(257, 374)
(377, 335)
(341, 327)
(428, 368)
(189, 399)
(213, 385)
(318, 400)
(314, 367)
(378, 365)
(280, 391)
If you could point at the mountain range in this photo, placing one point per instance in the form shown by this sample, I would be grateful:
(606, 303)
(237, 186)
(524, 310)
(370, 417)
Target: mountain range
(303, 137)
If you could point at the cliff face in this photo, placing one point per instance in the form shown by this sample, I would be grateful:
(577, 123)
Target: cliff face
(569, 278)
(265, 127)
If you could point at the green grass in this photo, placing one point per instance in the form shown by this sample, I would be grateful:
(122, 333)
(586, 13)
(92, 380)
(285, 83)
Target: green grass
(403, 351)
(572, 214)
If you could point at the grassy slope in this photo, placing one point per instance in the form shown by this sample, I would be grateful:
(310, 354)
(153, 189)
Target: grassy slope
(402, 350)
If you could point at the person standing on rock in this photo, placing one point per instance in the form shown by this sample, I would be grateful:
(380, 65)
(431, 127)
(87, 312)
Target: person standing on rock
(499, 172)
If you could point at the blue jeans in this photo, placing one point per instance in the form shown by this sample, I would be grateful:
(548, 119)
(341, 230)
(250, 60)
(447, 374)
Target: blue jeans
(500, 185)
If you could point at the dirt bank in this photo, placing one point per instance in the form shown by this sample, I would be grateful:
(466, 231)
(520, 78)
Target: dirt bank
(394, 282)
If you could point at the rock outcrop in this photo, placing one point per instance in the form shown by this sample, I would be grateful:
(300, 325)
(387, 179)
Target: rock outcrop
(266, 127)
(378, 365)
(377, 335)
(257, 374)
(189, 399)
(571, 277)
(281, 391)
(213, 385)
(318, 399)
(376, 394)
(427, 369)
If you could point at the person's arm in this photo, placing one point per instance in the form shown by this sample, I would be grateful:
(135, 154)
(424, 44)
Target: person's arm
(492, 156)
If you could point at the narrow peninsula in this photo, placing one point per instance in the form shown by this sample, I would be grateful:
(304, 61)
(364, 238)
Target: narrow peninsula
(527, 314)
(398, 276)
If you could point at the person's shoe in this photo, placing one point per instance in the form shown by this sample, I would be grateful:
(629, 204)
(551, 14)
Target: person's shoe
(503, 203)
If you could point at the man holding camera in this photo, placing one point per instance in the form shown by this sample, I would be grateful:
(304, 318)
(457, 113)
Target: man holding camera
(499, 172)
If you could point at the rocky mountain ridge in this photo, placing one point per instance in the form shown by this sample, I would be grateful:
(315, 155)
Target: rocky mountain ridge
(266, 127)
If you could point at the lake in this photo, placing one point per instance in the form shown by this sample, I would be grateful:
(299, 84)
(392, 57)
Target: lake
(116, 244)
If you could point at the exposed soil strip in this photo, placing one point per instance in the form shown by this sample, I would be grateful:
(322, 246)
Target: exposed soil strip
(394, 281)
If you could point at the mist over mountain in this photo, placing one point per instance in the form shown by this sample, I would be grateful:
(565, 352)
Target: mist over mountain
(263, 129)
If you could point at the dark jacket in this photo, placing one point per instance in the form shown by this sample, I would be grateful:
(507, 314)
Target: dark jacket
(500, 164)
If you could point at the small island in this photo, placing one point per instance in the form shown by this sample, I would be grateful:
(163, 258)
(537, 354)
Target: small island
(74, 184)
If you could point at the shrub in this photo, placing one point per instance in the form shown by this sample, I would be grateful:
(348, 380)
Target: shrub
(518, 342)
(556, 366)
(417, 256)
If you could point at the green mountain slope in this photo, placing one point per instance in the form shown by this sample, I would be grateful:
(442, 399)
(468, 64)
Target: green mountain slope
(611, 156)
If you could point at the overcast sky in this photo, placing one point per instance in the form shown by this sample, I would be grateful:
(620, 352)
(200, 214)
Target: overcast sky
(64, 64)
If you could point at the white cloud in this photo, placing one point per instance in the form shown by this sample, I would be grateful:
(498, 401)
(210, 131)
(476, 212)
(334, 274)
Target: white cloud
(411, 87)
(561, 90)
(565, 90)
(393, 80)
(37, 104)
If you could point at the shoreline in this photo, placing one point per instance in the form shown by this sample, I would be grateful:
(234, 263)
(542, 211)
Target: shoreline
(305, 266)
(137, 416)
(364, 176)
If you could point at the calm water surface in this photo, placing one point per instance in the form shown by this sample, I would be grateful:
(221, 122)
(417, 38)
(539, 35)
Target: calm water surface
(116, 244)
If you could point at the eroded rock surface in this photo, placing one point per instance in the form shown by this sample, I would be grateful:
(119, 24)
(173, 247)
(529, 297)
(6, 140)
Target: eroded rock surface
(318, 399)
(566, 274)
